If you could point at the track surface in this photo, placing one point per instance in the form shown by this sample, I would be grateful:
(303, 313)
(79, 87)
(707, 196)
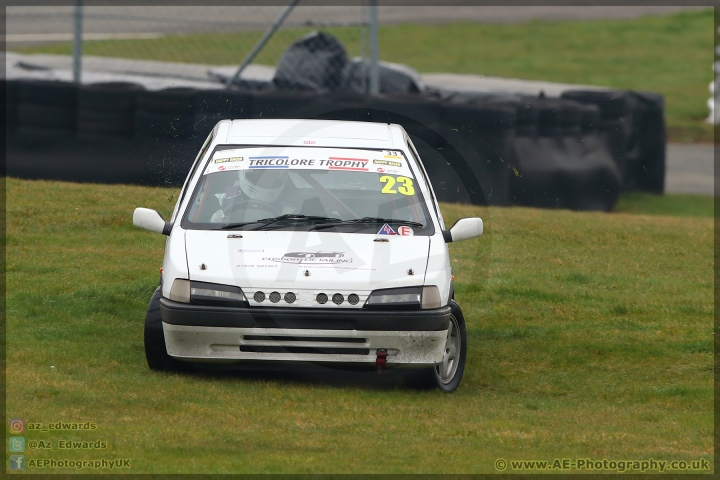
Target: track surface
(690, 169)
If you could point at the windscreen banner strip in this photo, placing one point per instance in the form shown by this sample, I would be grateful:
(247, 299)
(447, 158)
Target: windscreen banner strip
(295, 158)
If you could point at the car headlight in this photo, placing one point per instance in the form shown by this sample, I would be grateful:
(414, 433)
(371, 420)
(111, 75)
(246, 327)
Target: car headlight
(201, 293)
(407, 298)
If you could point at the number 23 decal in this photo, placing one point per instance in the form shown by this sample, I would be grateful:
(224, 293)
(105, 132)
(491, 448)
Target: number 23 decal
(405, 185)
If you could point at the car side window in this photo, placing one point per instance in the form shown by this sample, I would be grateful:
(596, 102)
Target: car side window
(198, 161)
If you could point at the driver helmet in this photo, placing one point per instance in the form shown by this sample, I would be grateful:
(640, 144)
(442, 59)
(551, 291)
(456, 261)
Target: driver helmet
(264, 185)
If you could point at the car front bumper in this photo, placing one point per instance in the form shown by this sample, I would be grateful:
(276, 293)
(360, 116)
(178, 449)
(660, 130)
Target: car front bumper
(205, 334)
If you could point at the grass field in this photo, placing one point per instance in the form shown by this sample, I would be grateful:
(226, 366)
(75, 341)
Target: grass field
(590, 337)
(676, 205)
(671, 55)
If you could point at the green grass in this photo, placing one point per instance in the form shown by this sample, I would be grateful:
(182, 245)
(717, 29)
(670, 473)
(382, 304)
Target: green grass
(590, 337)
(678, 205)
(671, 55)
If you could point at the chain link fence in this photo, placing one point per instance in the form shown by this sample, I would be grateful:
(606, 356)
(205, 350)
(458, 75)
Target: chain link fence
(183, 41)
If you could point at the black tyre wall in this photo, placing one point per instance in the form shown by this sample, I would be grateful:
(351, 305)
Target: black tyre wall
(616, 109)
(649, 172)
(47, 105)
(215, 105)
(342, 106)
(48, 93)
(10, 103)
(174, 101)
(634, 127)
(110, 96)
(486, 130)
(107, 110)
(576, 172)
(163, 125)
(168, 113)
(45, 116)
(109, 123)
(425, 112)
(284, 104)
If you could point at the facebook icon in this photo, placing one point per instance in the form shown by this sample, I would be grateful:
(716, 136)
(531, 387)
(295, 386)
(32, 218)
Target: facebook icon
(17, 462)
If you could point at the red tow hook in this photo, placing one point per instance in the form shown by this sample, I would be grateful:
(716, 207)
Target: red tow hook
(381, 360)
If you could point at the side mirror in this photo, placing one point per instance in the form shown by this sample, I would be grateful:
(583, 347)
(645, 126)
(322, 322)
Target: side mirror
(151, 220)
(464, 229)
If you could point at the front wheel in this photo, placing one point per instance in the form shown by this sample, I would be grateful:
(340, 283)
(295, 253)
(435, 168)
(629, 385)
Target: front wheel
(448, 373)
(155, 350)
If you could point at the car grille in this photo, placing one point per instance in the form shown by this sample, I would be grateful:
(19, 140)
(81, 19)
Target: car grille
(304, 345)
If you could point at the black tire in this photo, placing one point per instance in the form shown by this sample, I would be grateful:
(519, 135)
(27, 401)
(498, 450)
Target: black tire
(468, 118)
(61, 118)
(589, 117)
(32, 134)
(48, 92)
(11, 91)
(223, 102)
(171, 101)
(108, 122)
(10, 117)
(163, 125)
(110, 96)
(155, 350)
(558, 112)
(613, 104)
(284, 104)
(430, 377)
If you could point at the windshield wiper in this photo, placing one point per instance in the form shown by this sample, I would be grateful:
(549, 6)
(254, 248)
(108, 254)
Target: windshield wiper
(373, 220)
(289, 216)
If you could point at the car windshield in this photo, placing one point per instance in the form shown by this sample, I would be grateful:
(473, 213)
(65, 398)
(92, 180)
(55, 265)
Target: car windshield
(308, 188)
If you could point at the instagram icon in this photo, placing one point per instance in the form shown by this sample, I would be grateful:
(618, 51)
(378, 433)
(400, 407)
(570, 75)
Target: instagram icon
(17, 425)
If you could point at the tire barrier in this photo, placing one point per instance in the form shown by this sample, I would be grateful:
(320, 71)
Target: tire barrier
(284, 104)
(211, 106)
(577, 152)
(344, 105)
(107, 110)
(10, 104)
(558, 158)
(46, 107)
(649, 128)
(488, 133)
(634, 126)
(168, 113)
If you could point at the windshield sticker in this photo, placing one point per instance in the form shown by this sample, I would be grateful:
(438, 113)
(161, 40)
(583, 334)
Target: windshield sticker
(340, 163)
(389, 163)
(229, 159)
(386, 230)
(404, 185)
(228, 167)
(405, 231)
(311, 258)
(309, 158)
(269, 162)
(273, 258)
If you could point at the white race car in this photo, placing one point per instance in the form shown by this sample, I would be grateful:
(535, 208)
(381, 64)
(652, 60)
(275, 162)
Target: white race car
(308, 241)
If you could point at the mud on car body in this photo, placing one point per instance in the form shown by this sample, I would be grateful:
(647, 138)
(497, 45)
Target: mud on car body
(308, 241)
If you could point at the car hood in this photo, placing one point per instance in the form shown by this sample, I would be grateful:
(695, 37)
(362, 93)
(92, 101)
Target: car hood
(307, 260)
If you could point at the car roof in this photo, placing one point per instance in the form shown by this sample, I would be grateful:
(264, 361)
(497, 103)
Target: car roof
(335, 133)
